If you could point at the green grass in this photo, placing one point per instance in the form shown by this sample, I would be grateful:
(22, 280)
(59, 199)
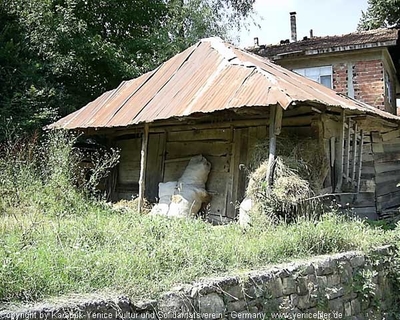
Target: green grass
(98, 250)
(56, 239)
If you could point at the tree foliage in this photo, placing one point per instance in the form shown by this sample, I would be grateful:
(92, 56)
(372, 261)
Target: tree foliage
(380, 13)
(57, 55)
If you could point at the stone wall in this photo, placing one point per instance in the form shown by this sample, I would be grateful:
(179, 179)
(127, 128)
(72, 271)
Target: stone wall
(351, 285)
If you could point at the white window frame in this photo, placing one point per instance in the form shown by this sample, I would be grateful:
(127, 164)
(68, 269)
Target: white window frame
(315, 73)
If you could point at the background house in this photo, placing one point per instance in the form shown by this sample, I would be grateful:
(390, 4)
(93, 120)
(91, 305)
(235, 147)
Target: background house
(363, 65)
(219, 101)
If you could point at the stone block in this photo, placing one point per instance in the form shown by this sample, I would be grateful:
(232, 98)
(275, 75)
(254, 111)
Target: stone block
(254, 291)
(172, 302)
(275, 287)
(236, 306)
(336, 305)
(349, 295)
(285, 305)
(234, 293)
(211, 304)
(322, 282)
(347, 309)
(355, 307)
(261, 278)
(294, 300)
(283, 273)
(306, 302)
(325, 267)
(334, 292)
(289, 285)
(306, 269)
(302, 285)
(345, 271)
(357, 261)
(149, 305)
(333, 280)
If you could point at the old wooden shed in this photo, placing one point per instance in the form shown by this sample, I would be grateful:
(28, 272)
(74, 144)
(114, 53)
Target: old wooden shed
(217, 100)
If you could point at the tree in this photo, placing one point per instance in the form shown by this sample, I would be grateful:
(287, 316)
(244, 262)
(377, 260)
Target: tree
(380, 13)
(57, 55)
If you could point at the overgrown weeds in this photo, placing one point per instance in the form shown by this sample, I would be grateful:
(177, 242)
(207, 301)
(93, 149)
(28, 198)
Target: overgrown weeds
(41, 175)
(141, 255)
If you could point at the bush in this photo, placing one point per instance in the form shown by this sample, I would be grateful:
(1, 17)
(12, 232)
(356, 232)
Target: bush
(41, 175)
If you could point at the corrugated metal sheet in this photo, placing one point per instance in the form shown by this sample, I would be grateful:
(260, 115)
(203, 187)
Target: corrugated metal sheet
(209, 76)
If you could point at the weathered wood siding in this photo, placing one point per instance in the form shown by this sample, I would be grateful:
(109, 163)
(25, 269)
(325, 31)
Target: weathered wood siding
(364, 202)
(379, 196)
(386, 164)
(228, 146)
(128, 168)
(213, 144)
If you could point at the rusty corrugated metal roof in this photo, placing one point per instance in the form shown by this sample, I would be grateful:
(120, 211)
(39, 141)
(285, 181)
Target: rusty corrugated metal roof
(209, 76)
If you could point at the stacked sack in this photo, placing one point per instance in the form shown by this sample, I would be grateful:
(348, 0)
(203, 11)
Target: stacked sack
(185, 197)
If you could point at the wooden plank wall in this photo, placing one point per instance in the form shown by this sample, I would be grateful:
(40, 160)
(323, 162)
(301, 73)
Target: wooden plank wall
(386, 162)
(229, 148)
(364, 202)
(155, 165)
(216, 146)
(128, 168)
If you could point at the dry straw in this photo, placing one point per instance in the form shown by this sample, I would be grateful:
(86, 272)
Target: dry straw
(299, 171)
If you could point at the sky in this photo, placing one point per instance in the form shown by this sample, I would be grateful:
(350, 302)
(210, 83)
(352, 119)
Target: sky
(325, 17)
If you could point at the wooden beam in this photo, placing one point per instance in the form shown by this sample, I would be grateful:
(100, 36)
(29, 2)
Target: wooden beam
(143, 165)
(354, 155)
(171, 127)
(339, 162)
(272, 145)
(347, 150)
(360, 152)
(278, 120)
(332, 151)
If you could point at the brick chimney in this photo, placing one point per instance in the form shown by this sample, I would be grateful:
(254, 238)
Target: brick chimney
(293, 26)
(256, 43)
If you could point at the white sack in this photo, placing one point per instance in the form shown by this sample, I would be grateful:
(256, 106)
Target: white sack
(196, 172)
(184, 198)
(244, 210)
(165, 192)
(187, 202)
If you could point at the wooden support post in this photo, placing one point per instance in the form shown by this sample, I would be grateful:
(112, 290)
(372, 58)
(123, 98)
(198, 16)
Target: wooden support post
(339, 166)
(274, 129)
(360, 152)
(354, 155)
(143, 165)
(332, 151)
(278, 120)
(347, 150)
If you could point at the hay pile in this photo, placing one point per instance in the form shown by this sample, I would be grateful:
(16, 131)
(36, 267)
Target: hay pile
(299, 172)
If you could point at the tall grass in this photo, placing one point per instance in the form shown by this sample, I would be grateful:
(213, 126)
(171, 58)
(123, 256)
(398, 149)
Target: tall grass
(141, 255)
(56, 240)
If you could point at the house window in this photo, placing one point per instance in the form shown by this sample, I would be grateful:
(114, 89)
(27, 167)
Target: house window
(322, 75)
